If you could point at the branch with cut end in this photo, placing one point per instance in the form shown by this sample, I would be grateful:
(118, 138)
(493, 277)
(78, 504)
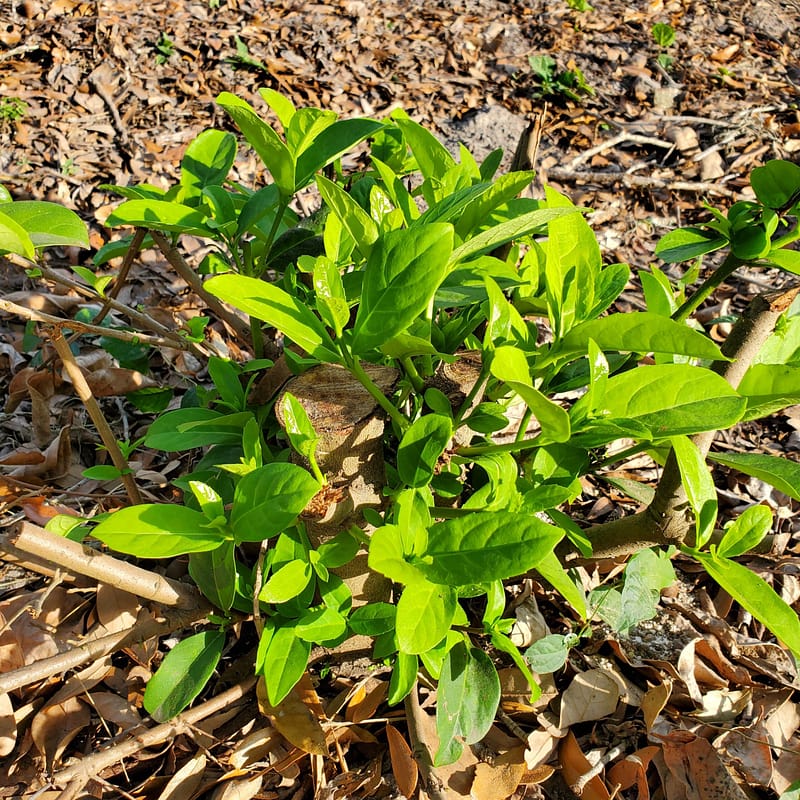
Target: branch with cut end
(668, 519)
(28, 539)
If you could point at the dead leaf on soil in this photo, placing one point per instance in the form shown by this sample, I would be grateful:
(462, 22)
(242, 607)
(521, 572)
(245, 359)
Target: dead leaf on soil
(256, 746)
(574, 765)
(295, 720)
(748, 750)
(185, 782)
(695, 770)
(654, 701)
(116, 610)
(404, 766)
(632, 770)
(55, 726)
(593, 694)
(8, 726)
(366, 699)
(239, 788)
(499, 780)
(116, 710)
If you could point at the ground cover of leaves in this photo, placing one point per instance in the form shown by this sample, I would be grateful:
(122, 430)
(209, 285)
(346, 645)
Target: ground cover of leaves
(112, 92)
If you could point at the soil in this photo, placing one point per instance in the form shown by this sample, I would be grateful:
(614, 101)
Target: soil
(112, 91)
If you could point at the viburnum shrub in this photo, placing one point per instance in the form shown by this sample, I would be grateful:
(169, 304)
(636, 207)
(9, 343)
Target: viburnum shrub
(467, 338)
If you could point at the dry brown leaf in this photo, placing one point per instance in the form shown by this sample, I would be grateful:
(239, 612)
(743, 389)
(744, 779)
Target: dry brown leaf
(116, 610)
(722, 706)
(748, 750)
(55, 726)
(541, 745)
(654, 701)
(593, 694)
(499, 780)
(295, 721)
(783, 719)
(632, 770)
(239, 789)
(115, 709)
(56, 462)
(786, 769)
(366, 700)
(574, 765)
(256, 746)
(695, 769)
(404, 766)
(185, 782)
(8, 726)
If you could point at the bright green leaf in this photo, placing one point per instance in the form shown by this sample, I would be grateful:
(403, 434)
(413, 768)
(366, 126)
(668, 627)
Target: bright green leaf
(779, 472)
(745, 532)
(421, 447)
(425, 612)
(699, 486)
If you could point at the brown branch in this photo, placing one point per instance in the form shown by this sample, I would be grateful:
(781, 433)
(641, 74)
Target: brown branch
(192, 279)
(122, 275)
(668, 520)
(93, 408)
(87, 768)
(85, 327)
(77, 558)
(96, 646)
(637, 181)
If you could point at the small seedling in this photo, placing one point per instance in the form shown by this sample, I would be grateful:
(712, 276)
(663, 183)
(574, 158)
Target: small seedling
(12, 109)
(570, 82)
(664, 37)
(165, 47)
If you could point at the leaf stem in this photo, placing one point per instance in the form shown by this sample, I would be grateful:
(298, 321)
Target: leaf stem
(722, 273)
(413, 375)
(381, 399)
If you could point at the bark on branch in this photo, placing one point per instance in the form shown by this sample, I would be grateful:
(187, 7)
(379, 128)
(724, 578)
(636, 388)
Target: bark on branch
(668, 520)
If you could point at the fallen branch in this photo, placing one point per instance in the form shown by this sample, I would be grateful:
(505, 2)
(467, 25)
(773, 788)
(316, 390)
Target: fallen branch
(77, 558)
(91, 766)
(95, 647)
(637, 181)
(84, 392)
(668, 519)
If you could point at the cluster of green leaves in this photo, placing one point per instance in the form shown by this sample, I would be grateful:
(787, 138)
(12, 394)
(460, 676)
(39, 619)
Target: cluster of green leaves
(570, 83)
(412, 278)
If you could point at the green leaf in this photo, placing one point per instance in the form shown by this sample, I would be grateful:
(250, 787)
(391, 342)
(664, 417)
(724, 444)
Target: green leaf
(672, 399)
(387, 555)
(548, 654)
(263, 139)
(486, 546)
(686, 243)
(103, 472)
(208, 159)
(48, 224)
(785, 259)
(551, 569)
(769, 388)
(373, 619)
(699, 486)
(425, 612)
(269, 499)
(779, 472)
(14, 238)
(777, 183)
(298, 426)
(284, 663)
(187, 428)
(157, 531)
(745, 532)
(421, 447)
(516, 228)
(226, 380)
(332, 143)
(214, 572)
(331, 300)
(432, 157)
(404, 676)
(288, 582)
(756, 596)
(358, 223)
(510, 366)
(183, 674)
(321, 625)
(637, 332)
(401, 276)
(269, 303)
(339, 550)
(468, 697)
(161, 215)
